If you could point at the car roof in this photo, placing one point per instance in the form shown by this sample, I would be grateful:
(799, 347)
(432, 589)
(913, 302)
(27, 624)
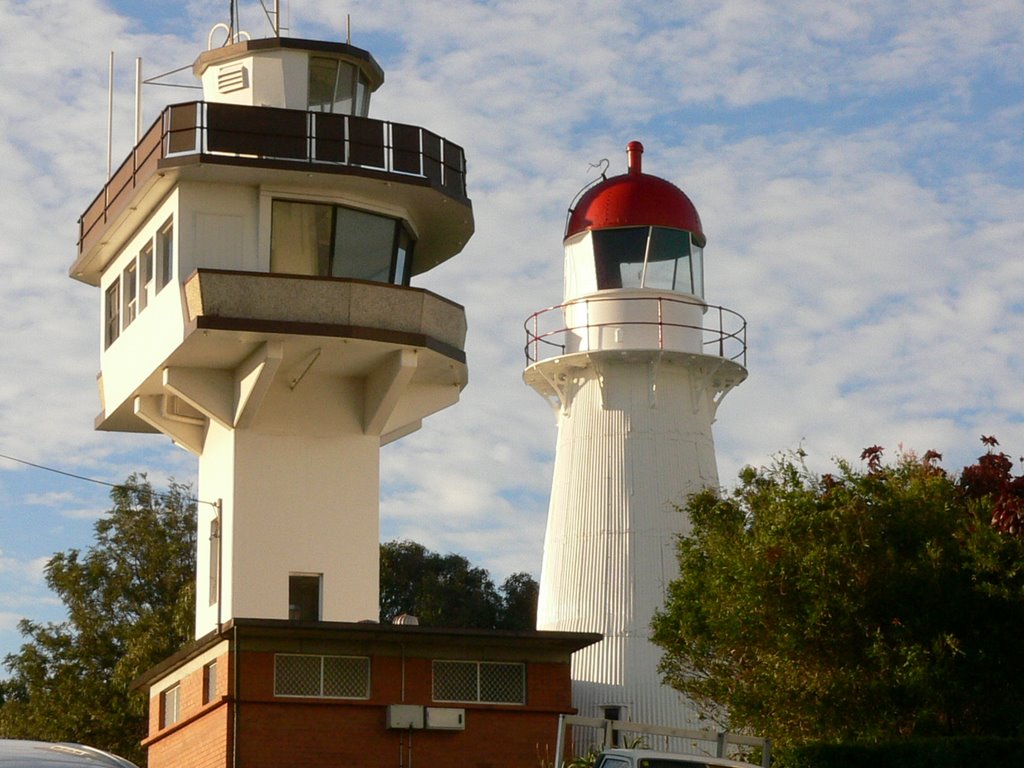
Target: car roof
(19, 753)
(683, 760)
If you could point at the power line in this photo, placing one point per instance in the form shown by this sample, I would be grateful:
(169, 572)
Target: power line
(105, 483)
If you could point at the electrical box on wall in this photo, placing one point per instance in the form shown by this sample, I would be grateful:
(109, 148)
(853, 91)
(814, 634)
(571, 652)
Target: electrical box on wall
(405, 716)
(446, 718)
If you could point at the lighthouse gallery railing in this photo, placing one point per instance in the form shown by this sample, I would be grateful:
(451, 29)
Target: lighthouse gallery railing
(724, 336)
(279, 138)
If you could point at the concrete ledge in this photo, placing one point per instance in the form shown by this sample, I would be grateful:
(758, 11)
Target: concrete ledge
(325, 301)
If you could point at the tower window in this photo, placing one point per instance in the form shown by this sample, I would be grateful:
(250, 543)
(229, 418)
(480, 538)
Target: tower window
(129, 291)
(334, 241)
(164, 254)
(112, 314)
(145, 274)
(337, 86)
(304, 597)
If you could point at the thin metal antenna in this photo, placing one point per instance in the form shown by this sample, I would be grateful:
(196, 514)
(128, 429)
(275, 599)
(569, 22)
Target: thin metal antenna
(138, 99)
(277, 18)
(110, 115)
(348, 28)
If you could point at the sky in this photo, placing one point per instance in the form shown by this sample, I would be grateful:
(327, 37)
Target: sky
(858, 168)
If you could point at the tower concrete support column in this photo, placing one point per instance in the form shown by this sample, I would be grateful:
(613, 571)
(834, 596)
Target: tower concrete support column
(322, 523)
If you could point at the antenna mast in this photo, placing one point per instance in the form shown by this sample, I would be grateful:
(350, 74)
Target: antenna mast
(110, 114)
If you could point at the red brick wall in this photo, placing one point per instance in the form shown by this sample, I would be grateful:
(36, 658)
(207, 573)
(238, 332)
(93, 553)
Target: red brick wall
(200, 743)
(302, 735)
(301, 732)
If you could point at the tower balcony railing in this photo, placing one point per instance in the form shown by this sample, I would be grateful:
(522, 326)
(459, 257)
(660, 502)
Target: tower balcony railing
(277, 138)
(636, 322)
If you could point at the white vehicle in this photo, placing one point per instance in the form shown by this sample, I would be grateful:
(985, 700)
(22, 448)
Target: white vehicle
(15, 753)
(646, 758)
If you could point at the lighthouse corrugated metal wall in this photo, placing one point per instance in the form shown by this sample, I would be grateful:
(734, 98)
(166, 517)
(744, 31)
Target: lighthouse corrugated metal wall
(634, 441)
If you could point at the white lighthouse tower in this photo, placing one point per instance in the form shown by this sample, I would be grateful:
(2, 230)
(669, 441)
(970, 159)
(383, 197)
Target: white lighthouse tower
(635, 362)
(253, 256)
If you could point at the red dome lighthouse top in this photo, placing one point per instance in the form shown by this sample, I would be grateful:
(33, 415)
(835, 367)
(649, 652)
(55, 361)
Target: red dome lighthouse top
(635, 199)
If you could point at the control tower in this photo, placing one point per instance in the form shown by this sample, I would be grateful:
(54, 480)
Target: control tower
(253, 256)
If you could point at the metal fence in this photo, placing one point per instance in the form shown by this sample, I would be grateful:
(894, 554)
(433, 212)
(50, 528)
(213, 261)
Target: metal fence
(723, 332)
(283, 138)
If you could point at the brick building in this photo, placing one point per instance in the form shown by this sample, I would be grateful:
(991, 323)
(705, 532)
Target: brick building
(284, 693)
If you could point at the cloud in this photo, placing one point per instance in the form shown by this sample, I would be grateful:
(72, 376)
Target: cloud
(857, 168)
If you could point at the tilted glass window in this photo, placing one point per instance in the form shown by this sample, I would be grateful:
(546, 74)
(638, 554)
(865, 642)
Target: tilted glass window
(334, 241)
(364, 245)
(336, 86)
(648, 257)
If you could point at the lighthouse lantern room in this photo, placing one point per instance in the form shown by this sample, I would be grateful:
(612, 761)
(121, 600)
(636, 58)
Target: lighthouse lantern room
(635, 363)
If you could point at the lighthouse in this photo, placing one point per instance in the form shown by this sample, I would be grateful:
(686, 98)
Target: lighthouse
(635, 363)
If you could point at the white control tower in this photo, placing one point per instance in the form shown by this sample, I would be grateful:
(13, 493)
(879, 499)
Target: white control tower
(253, 255)
(635, 363)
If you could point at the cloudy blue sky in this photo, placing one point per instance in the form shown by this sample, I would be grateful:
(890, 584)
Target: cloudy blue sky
(859, 169)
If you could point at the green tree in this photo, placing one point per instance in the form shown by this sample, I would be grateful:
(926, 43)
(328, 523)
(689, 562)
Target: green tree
(129, 604)
(518, 610)
(867, 604)
(447, 591)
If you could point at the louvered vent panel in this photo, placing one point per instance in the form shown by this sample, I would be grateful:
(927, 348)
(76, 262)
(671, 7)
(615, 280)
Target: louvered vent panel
(231, 79)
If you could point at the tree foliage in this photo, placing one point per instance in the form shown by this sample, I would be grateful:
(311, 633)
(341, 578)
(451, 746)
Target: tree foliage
(129, 602)
(870, 603)
(447, 591)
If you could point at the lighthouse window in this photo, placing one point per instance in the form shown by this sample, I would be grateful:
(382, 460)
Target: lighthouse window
(334, 241)
(668, 260)
(648, 257)
(619, 256)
